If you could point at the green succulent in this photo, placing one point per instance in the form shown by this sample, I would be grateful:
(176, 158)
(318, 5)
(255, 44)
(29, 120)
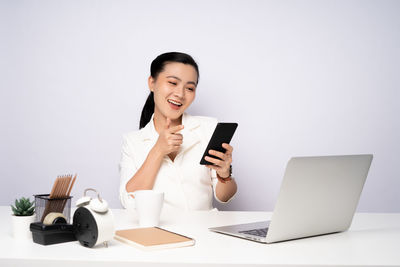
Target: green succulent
(23, 207)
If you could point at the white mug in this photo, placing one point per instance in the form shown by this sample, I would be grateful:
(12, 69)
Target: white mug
(148, 206)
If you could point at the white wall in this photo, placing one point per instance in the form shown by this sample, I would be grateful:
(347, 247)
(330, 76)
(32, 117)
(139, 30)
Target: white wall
(300, 78)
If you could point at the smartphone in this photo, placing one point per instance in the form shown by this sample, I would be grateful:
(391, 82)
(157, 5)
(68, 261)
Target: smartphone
(223, 133)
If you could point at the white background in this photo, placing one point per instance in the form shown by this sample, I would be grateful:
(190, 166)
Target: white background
(301, 78)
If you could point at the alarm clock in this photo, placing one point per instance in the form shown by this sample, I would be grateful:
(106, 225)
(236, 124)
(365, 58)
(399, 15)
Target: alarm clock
(93, 221)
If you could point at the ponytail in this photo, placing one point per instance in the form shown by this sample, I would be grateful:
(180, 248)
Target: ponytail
(147, 111)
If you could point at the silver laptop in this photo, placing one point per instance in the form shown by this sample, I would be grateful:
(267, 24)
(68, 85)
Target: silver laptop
(318, 195)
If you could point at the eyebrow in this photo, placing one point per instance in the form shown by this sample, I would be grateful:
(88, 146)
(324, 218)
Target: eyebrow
(191, 82)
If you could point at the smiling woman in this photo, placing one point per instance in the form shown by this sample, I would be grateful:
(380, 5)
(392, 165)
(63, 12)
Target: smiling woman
(164, 154)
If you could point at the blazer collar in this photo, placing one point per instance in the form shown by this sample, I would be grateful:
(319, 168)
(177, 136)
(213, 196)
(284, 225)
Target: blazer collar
(149, 132)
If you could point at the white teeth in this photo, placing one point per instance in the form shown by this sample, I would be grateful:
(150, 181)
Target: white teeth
(175, 103)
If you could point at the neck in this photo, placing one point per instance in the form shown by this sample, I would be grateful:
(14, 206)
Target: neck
(160, 120)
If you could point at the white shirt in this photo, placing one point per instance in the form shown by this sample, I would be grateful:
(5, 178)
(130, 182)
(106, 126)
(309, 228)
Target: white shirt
(186, 184)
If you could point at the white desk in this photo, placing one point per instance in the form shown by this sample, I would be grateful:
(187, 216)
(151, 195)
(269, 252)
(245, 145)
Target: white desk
(373, 240)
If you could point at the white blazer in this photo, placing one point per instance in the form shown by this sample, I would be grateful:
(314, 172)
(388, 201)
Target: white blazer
(186, 184)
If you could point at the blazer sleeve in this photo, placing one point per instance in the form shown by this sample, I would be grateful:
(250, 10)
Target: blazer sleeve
(127, 168)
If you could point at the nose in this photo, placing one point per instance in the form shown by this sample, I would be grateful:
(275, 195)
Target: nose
(179, 91)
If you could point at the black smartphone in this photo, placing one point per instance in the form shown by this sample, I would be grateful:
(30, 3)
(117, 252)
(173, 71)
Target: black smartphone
(223, 133)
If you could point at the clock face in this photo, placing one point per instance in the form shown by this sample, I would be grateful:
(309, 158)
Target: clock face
(85, 227)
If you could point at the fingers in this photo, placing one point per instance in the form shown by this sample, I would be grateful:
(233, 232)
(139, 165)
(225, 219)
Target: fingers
(175, 142)
(223, 161)
(170, 140)
(213, 160)
(172, 136)
(227, 156)
(229, 148)
(175, 139)
(175, 129)
(217, 154)
(176, 136)
(228, 152)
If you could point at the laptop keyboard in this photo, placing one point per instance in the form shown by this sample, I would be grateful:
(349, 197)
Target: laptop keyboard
(257, 232)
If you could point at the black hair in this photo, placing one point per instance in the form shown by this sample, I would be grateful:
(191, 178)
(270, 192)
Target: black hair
(157, 66)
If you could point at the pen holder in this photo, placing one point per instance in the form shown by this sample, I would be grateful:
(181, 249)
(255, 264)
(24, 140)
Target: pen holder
(52, 210)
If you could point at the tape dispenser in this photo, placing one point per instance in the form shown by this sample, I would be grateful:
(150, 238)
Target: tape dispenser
(93, 221)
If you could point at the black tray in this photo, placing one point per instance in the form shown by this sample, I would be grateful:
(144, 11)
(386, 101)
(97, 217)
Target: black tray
(52, 234)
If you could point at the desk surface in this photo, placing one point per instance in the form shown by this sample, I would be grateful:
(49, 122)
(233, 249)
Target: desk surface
(373, 240)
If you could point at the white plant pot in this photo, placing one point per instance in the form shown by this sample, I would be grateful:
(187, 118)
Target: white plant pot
(20, 226)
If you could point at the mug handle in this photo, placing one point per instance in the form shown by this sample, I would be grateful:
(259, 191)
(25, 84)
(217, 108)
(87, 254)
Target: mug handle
(131, 194)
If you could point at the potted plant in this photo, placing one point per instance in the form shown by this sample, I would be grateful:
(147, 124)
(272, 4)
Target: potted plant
(23, 216)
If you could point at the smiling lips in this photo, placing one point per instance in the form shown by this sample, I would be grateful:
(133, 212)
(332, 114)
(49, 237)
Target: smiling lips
(174, 104)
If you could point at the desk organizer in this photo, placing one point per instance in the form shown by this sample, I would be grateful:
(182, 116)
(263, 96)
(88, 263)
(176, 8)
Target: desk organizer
(52, 210)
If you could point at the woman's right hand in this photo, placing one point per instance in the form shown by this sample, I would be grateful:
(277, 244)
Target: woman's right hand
(169, 139)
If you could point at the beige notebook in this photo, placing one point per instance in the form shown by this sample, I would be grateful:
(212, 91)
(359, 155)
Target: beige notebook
(153, 238)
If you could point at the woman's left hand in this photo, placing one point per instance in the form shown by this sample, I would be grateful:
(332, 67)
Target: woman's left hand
(223, 163)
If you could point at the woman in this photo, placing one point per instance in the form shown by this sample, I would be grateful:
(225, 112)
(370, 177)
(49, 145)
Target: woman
(164, 154)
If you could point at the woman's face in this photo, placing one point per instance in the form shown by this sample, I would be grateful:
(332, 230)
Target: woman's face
(174, 89)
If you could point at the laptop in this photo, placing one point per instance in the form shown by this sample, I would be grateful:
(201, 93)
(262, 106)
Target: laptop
(318, 195)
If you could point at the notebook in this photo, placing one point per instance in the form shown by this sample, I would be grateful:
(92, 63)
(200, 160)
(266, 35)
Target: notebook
(318, 195)
(153, 238)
